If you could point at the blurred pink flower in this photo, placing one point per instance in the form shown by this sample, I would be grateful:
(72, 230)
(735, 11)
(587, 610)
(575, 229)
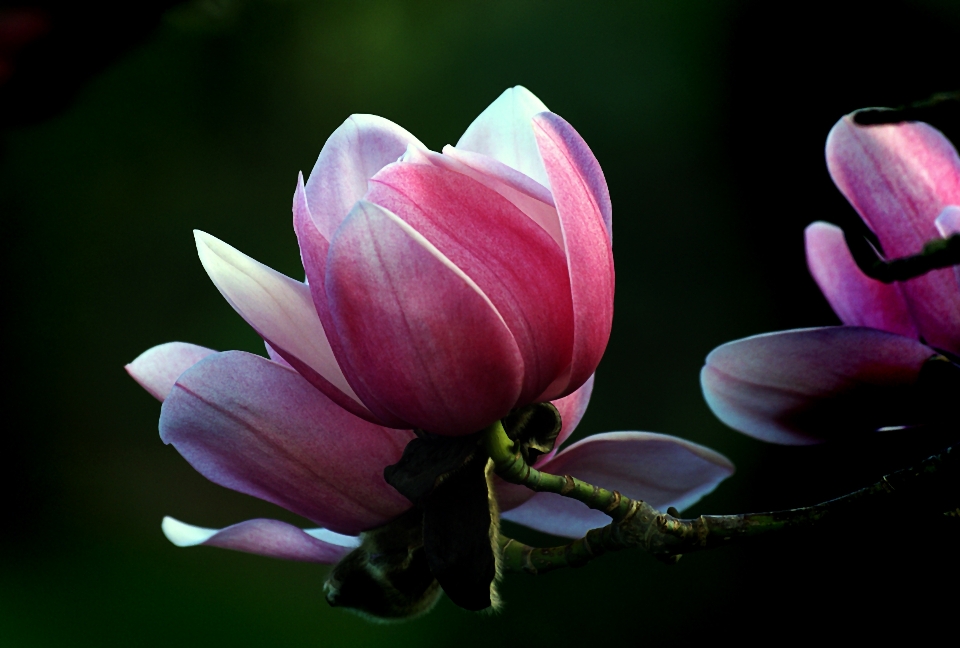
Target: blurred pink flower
(443, 291)
(806, 386)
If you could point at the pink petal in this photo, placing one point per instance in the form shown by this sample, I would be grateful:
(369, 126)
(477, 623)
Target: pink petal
(503, 132)
(899, 178)
(359, 148)
(259, 428)
(572, 408)
(512, 260)
(421, 335)
(271, 538)
(569, 163)
(948, 224)
(314, 248)
(158, 368)
(528, 195)
(811, 385)
(282, 312)
(661, 470)
(857, 299)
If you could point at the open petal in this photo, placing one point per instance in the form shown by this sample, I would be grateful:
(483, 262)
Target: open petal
(948, 224)
(512, 260)
(811, 385)
(661, 470)
(271, 538)
(259, 428)
(899, 177)
(421, 335)
(587, 242)
(857, 299)
(158, 368)
(359, 148)
(281, 311)
(503, 132)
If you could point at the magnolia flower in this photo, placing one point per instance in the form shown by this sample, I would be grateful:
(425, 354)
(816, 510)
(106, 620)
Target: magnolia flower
(807, 386)
(444, 290)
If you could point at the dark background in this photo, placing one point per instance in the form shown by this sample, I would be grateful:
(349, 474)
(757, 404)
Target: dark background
(122, 132)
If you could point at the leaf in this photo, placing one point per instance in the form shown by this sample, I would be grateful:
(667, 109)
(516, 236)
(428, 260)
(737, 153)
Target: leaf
(460, 527)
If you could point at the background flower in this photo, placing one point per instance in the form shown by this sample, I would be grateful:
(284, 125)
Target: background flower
(806, 386)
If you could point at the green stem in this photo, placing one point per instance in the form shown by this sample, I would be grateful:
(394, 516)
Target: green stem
(637, 524)
(511, 467)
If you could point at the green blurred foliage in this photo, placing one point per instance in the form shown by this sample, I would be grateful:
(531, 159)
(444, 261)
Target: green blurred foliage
(206, 126)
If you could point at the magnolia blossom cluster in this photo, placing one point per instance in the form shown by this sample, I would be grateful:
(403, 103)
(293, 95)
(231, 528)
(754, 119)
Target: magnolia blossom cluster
(811, 385)
(444, 291)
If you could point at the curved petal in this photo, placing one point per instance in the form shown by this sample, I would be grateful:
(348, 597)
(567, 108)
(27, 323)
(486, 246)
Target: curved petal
(948, 224)
(314, 248)
(528, 195)
(661, 470)
(503, 132)
(586, 241)
(899, 177)
(512, 260)
(422, 337)
(271, 538)
(810, 385)
(259, 428)
(572, 408)
(359, 148)
(857, 299)
(157, 369)
(281, 311)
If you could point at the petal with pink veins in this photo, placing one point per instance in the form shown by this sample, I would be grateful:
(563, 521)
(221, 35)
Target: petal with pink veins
(259, 428)
(314, 248)
(587, 242)
(420, 334)
(812, 385)
(503, 132)
(271, 538)
(282, 312)
(899, 177)
(857, 299)
(157, 369)
(948, 224)
(528, 195)
(353, 154)
(512, 260)
(661, 470)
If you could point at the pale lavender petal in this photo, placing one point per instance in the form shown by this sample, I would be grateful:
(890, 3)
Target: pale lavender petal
(259, 428)
(271, 538)
(586, 241)
(273, 355)
(281, 311)
(810, 385)
(661, 470)
(353, 154)
(420, 334)
(857, 299)
(512, 260)
(948, 224)
(899, 177)
(158, 368)
(503, 132)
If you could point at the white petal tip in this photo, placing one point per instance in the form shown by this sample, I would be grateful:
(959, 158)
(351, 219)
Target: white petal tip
(185, 535)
